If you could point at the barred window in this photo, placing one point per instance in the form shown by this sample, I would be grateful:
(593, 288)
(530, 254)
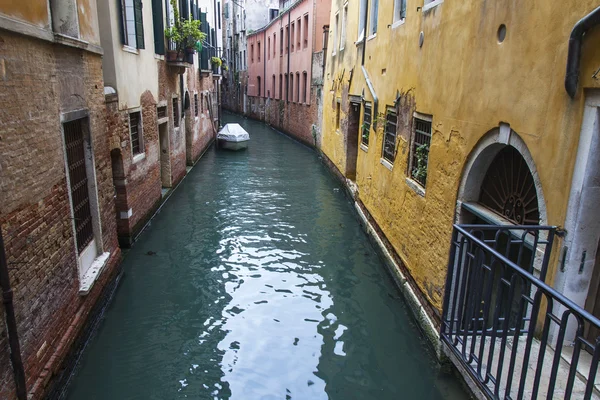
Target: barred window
(389, 139)
(175, 112)
(135, 130)
(366, 125)
(161, 112)
(196, 104)
(420, 150)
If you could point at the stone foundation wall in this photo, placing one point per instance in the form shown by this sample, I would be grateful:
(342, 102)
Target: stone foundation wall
(40, 81)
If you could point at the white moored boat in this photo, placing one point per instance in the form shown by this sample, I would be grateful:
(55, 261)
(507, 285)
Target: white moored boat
(233, 137)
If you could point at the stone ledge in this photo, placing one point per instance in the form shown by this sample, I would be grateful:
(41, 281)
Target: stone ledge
(87, 281)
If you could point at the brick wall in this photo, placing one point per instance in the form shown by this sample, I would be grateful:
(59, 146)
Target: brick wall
(199, 130)
(298, 120)
(40, 81)
(168, 86)
(139, 189)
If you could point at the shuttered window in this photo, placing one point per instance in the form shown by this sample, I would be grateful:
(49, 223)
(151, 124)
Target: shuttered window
(132, 23)
(159, 26)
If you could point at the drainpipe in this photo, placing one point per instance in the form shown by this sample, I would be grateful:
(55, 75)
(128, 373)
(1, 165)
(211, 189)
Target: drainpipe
(575, 42)
(265, 62)
(287, 89)
(11, 325)
(365, 73)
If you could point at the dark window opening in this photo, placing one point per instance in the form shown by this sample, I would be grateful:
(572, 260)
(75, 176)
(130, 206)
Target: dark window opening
(366, 125)
(389, 140)
(135, 129)
(161, 112)
(78, 182)
(196, 104)
(420, 150)
(175, 112)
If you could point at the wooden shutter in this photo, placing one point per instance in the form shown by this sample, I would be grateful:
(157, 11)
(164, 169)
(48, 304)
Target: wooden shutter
(159, 27)
(121, 22)
(139, 23)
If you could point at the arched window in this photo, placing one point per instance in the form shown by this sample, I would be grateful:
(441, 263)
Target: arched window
(509, 189)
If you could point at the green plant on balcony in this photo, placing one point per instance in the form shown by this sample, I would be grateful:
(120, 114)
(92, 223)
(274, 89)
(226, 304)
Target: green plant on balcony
(184, 33)
(216, 61)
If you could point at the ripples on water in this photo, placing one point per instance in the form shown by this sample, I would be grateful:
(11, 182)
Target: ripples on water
(260, 284)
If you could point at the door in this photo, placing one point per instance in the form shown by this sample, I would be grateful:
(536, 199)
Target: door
(352, 140)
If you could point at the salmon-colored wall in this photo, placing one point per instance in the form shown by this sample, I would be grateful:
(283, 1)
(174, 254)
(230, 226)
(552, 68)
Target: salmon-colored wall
(34, 12)
(300, 58)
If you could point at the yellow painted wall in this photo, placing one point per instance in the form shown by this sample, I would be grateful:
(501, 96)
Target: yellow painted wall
(88, 21)
(34, 12)
(469, 83)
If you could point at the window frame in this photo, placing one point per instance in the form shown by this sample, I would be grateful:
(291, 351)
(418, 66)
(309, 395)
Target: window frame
(399, 12)
(344, 22)
(390, 111)
(427, 120)
(373, 19)
(429, 4)
(175, 112)
(140, 132)
(366, 104)
(335, 33)
(196, 104)
(138, 25)
(362, 28)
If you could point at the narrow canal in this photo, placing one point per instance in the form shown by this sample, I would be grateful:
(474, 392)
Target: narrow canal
(256, 282)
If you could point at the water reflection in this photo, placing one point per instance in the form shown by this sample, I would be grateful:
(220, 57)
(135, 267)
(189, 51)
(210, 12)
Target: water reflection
(262, 285)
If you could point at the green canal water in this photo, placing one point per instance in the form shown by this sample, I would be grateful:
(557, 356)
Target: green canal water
(256, 281)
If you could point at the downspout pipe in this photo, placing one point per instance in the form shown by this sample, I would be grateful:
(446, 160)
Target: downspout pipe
(575, 43)
(364, 70)
(11, 325)
(287, 89)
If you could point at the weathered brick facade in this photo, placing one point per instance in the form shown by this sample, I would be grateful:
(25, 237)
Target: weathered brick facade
(40, 81)
(137, 181)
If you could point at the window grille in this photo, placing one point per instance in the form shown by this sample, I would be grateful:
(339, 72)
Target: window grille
(420, 150)
(389, 140)
(135, 129)
(78, 182)
(196, 104)
(161, 112)
(175, 112)
(366, 126)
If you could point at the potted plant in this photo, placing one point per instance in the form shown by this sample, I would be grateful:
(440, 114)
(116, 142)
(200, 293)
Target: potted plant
(186, 35)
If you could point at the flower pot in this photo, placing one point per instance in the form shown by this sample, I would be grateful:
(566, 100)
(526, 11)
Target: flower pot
(171, 55)
(189, 55)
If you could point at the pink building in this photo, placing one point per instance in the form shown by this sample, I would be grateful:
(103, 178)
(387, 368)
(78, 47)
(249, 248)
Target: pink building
(284, 64)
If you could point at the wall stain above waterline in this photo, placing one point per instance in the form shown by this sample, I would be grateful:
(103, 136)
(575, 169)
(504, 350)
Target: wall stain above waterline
(256, 282)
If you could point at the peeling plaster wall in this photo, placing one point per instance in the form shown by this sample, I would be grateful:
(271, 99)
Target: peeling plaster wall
(469, 83)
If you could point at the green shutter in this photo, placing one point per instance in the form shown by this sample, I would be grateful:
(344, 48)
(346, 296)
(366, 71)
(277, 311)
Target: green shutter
(159, 27)
(121, 22)
(139, 23)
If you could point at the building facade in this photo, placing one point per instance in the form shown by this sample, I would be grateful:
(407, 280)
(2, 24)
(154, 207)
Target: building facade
(56, 191)
(158, 111)
(241, 17)
(443, 112)
(285, 66)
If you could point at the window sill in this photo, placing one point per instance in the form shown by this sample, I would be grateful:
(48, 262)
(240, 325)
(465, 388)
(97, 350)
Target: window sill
(87, 281)
(333, 54)
(138, 157)
(433, 4)
(342, 49)
(360, 41)
(159, 57)
(416, 186)
(398, 23)
(364, 147)
(131, 50)
(386, 164)
(371, 37)
(162, 120)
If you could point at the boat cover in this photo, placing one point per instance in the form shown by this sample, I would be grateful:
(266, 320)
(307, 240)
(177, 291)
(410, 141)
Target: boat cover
(233, 133)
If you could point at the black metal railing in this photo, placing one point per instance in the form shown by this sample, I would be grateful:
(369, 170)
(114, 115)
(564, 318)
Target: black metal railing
(515, 335)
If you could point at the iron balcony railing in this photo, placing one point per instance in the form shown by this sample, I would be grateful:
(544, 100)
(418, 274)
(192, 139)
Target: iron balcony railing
(516, 336)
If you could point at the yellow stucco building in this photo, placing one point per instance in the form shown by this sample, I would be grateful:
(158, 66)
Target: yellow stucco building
(427, 102)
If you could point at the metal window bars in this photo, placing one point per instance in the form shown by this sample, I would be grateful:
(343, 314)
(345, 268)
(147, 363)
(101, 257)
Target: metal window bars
(78, 182)
(366, 125)
(135, 131)
(420, 150)
(516, 336)
(389, 140)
